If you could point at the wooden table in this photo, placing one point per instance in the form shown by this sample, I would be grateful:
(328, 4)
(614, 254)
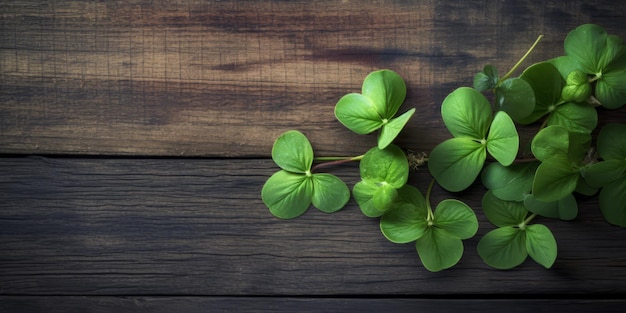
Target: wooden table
(136, 136)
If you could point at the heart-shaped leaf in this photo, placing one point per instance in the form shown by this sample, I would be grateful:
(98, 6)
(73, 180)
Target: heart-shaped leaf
(613, 202)
(550, 142)
(467, 113)
(438, 249)
(390, 130)
(292, 151)
(456, 218)
(565, 208)
(358, 113)
(575, 117)
(503, 248)
(510, 183)
(541, 245)
(407, 220)
(503, 141)
(487, 79)
(455, 163)
(287, 195)
(330, 193)
(612, 142)
(363, 192)
(388, 165)
(602, 173)
(387, 90)
(555, 178)
(503, 213)
(586, 44)
(515, 96)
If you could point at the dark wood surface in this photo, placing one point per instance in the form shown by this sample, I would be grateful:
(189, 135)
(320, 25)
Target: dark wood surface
(135, 138)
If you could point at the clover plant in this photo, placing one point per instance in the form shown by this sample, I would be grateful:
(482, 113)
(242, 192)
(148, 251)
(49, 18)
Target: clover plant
(538, 180)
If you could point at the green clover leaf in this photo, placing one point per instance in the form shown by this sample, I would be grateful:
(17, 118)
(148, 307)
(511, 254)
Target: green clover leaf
(503, 213)
(602, 56)
(466, 113)
(547, 84)
(503, 248)
(289, 192)
(513, 241)
(438, 249)
(382, 173)
(565, 208)
(455, 163)
(610, 174)
(541, 245)
(382, 94)
(408, 220)
(515, 96)
(510, 183)
(487, 79)
(287, 195)
(292, 152)
(438, 235)
(555, 179)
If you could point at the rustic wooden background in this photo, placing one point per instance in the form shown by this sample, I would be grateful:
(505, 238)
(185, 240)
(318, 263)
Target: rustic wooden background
(135, 138)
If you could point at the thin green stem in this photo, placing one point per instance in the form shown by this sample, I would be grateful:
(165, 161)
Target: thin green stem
(510, 72)
(527, 220)
(332, 161)
(430, 216)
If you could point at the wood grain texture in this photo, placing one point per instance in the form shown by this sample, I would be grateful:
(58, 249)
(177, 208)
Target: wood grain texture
(198, 227)
(224, 78)
(330, 305)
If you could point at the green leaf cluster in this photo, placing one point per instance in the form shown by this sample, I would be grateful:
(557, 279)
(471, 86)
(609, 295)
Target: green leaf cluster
(456, 162)
(382, 94)
(610, 173)
(602, 57)
(437, 234)
(383, 172)
(515, 239)
(289, 192)
(560, 94)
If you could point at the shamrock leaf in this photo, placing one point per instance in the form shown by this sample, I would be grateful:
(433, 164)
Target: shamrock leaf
(438, 249)
(503, 213)
(383, 172)
(382, 94)
(509, 245)
(503, 248)
(292, 152)
(510, 183)
(547, 84)
(289, 192)
(541, 245)
(455, 163)
(562, 153)
(487, 79)
(438, 235)
(515, 96)
(565, 208)
(602, 56)
(408, 220)
(610, 174)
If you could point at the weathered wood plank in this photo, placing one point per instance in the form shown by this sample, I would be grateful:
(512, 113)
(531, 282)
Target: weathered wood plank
(224, 78)
(271, 304)
(199, 227)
